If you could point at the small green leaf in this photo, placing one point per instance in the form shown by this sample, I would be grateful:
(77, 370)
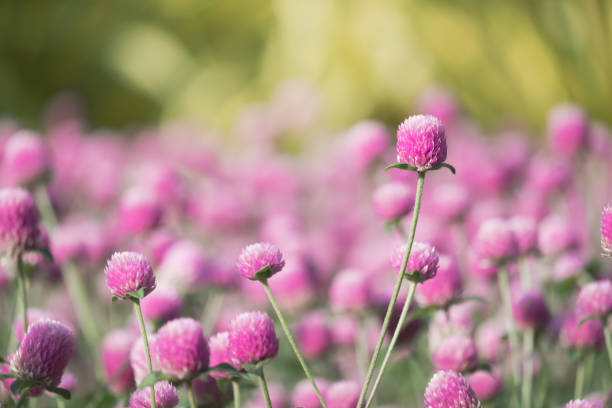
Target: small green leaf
(401, 166)
(4, 376)
(422, 311)
(46, 252)
(151, 378)
(224, 367)
(254, 369)
(263, 274)
(136, 294)
(64, 393)
(114, 299)
(589, 317)
(448, 166)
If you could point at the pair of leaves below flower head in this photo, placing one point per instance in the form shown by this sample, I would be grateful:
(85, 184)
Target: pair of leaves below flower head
(133, 295)
(157, 376)
(406, 166)
(18, 386)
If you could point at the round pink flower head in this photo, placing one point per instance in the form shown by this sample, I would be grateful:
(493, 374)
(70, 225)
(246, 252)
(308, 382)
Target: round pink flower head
(606, 230)
(365, 142)
(443, 287)
(486, 384)
(422, 262)
(582, 404)
(139, 210)
(312, 334)
(26, 159)
(44, 353)
(304, 396)
(18, 220)
(530, 310)
(129, 272)
(220, 352)
(490, 340)
(252, 338)
(589, 334)
(350, 291)
(526, 233)
(421, 142)
(457, 353)
(495, 240)
(181, 349)
(185, 266)
(568, 129)
(481, 266)
(448, 389)
(115, 354)
(166, 396)
(556, 235)
(163, 304)
(393, 200)
(138, 358)
(595, 299)
(451, 201)
(343, 394)
(260, 261)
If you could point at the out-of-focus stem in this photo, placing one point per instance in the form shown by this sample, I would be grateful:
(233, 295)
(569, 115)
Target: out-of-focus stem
(23, 292)
(504, 288)
(528, 343)
(361, 347)
(608, 338)
(264, 389)
(191, 395)
(236, 392)
(44, 205)
(579, 379)
(80, 300)
(145, 340)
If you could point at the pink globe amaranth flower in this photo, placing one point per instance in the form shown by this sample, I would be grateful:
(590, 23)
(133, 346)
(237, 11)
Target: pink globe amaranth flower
(139, 211)
(138, 358)
(344, 330)
(451, 201)
(439, 102)
(393, 200)
(606, 230)
(181, 349)
(569, 265)
(450, 389)
(496, 241)
(422, 262)
(115, 356)
(556, 235)
(525, 232)
(421, 142)
(589, 334)
(255, 257)
(529, 309)
(252, 338)
(568, 129)
(220, 352)
(490, 340)
(312, 334)
(582, 404)
(486, 384)
(19, 219)
(185, 266)
(443, 287)
(350, 291)
(595, 299)
(44, 352)
(549, 175)
(481, 267)
(25, 159)
(166, 396)
(365, 142)
(159, 242)
(304, 395)
(457, 353)
(343, 394)
(128, 272)
(68, 243)
(599, 140)
(163, 304)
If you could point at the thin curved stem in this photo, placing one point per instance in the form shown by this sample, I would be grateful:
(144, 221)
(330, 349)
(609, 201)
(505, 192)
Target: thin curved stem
(294, 346)
(398, 285)
(396, 332)
(236, 392)
(608, 338)
(264, 389)
(504, 288)
(145, 341)
(191, 395)
(528, 343)
(579, 386)
(23, 292)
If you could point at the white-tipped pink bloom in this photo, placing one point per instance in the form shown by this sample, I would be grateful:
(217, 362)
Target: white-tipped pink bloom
(422, 262)
(19, 220)
(258, 259)
(556, 235)
(595, 299)
(525, 232)
(26, 158)
(252, 338)
(496, 241)
(343, 394)
(139, 211)
(582, 404)
(457, 353)
(606, 230)
(128, 272)
(185, 266)
(163, 304)
(421, 142)
(166, 396)
(448, 389)
(350, 291)
(220, 352)
(393, 200)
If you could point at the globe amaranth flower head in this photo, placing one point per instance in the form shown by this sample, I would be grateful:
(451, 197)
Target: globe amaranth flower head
(166, 396)
(595, 299)
(457, 353)
(129, 272)
(421, 142)
(139, 211)
(260, 261)
(529, 309)
(115, 354)
(19, 220)
(568, 129)
(443, 287)
(606, 230)
(450, 389)
(486, 384)
(393, 200)
(343, 394)
(496, 241)
(525, 232)
(589, 334)
(252, 338)
(350, 291)
(26, 159)
(582, 404)
(181, 349)
(163, 304)
(312, 334)
(422, 262)
(220, 352)
(303, 394)
(44, 353)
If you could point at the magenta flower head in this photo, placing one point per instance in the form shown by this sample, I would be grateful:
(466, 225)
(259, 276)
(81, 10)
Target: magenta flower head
(393, 200)
(450, 389)
(486, 384)
(606, 230)
(138, 358)
(421, 142)
(451, 201)
(139, 210)
(220, 353)
(530, 310)
(496, 241)
(365, 142)
(252, 338)
(350, 291)
(595, 299)
(422, 262)
(181, 349)
(185, 266)
(490, 340)
(589, 334)
(18, 220)
(312, 334)
(129, 272)
(582, 404)
(568, 129)
(525, 232)
(304, 396)
(457, 353)
(26, 158)
(166, 396)
(115, 356)
(44, 353)
(163, 304)
(556, 235)
(443, 287)
(260, 261)
(343, 394)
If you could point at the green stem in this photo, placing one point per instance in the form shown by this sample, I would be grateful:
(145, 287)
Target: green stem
(236, 392)
(361, 347)
(579, 379)
(143, 333)
(60, 403)
(294, 346)
(504, 288)
(608, 342)
(44, 205)
(398, 285)
(23, 292)
(396, 333)
(528, 342)
(264, 388)
(191, 394)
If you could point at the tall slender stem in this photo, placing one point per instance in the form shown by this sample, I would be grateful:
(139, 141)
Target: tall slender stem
(264, 388)
(361, 347)
(398, 285)
(145, 341)
(396, 333)
(23, 292)
(79, 298)
(191, 394)
(579, 379)
(236, 392)
(44, 206)
(608, 338)
(528, 342)
(60, 402)
(504, 288)
(294, 346)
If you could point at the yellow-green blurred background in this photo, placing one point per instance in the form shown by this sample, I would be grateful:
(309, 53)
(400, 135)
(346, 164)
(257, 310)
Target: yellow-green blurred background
(151, 61)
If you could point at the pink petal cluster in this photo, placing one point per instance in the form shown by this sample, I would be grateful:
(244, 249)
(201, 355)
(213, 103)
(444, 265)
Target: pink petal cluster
(257, 256)
(115, 357)
(529, 309)
(525, 232)
(220, 352)
(304, 396)
(606, 230)
(128, 272)
(568, 129)
(448, 389)
(350, 291)
(457, 353)
(163, 304)
(185, 266)
(421, 142)
(252, 338)
(26, 159)
(496, 241)
(312, 334)
(587, 334)
(582, 404)
(343, 394)
(443, 287)
(422, 262)
(556, 235)
(18, 220)
(393, 200)
(595, 299)
(139, 211)
(486, 384)
(166, 396)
